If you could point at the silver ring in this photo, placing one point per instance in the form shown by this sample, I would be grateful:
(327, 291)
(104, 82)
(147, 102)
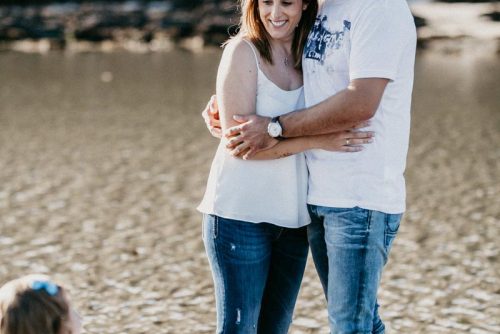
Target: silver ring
(347, 141)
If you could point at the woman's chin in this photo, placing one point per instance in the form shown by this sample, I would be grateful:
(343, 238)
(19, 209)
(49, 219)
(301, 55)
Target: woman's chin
(280, 35)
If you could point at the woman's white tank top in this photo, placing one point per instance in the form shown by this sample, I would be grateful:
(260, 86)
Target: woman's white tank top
(270, 191)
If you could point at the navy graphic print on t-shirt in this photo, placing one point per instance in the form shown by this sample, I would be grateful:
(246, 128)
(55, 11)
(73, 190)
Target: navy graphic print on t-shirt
(320, 39)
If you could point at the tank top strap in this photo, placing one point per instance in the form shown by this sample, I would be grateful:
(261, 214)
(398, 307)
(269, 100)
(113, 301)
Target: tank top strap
(254, 53)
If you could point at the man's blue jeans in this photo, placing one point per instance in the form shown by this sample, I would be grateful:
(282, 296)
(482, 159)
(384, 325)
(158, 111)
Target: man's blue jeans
(350, 248)
(257, 271)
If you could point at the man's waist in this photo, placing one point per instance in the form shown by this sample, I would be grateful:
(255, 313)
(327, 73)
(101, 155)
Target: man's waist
(392, 206)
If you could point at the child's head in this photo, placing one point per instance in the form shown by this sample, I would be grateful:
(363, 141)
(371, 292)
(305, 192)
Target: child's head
(34, 304)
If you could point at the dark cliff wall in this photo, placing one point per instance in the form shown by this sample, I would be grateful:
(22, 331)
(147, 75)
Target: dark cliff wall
(98, 21)
(178, 3)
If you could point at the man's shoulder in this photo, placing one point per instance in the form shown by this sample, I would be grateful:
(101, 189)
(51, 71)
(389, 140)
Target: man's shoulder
(393, 11)
(380, 6)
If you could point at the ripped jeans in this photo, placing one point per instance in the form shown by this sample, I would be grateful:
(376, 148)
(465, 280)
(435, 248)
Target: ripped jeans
(257, 271)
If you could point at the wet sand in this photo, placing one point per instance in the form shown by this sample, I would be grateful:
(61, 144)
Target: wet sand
(103, 158)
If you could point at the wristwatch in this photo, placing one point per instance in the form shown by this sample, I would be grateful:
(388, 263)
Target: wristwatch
(274, 128)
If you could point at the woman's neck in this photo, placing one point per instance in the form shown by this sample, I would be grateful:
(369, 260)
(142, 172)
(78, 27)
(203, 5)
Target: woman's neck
(283, 48)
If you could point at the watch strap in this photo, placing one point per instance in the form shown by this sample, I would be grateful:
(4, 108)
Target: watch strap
(276, 119)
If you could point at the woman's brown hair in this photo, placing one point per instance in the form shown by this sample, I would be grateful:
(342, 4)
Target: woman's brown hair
(252, 28)
(24, 310)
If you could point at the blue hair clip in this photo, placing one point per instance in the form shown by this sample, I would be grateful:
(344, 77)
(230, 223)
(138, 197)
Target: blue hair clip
(49, 287)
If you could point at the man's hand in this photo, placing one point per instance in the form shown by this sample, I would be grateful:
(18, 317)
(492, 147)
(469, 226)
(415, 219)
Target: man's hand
(250, 136)
(211, 116)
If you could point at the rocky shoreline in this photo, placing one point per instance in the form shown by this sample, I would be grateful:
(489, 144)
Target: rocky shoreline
(139, 26)
(459, 27)
(132, 25)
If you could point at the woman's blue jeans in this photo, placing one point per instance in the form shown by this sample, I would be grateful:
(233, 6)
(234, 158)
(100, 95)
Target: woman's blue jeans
(257, 271)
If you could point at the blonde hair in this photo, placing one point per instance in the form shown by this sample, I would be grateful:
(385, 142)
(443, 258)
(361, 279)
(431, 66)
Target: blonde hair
(25, 310)
(252, 28)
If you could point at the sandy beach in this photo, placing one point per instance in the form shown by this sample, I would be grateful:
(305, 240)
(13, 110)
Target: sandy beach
(99, 184)
(104, 157)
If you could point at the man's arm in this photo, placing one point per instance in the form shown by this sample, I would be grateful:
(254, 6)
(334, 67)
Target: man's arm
(355, 104)
(342, 111)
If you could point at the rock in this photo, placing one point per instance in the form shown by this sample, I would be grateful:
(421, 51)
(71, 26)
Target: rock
(157, 10)
(419, 21)
(494, 16)
(186, 4)
(456, 27)
(59, 9)
(179, 24)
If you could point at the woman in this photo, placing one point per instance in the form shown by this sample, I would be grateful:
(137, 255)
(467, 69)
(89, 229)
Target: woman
(255, 211)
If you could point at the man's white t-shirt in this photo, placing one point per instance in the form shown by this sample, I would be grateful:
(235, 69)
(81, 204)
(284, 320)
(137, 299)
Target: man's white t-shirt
(355, 39)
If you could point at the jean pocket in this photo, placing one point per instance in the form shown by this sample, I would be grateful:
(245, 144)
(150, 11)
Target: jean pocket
(356, 218)
(347, 227)
(392, 223)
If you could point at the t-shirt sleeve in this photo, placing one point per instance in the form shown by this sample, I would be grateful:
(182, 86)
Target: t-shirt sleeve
(378, 39)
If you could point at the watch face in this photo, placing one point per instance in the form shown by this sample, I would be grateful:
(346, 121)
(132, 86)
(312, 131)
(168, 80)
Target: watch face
(274, 129)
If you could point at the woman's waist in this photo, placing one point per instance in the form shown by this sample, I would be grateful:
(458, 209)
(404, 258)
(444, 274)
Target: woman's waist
(224, 157)
(258, 174)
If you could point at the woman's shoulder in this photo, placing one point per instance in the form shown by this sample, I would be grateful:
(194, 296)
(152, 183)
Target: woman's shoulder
(238, 61)
(241, 49)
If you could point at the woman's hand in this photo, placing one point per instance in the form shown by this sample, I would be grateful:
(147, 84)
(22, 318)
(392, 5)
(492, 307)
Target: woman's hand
(211, 116)
(344, 141)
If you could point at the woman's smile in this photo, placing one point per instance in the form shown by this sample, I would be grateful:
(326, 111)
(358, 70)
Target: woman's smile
(278, 23)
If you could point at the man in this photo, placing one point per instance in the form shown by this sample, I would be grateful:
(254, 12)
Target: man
(358, 66)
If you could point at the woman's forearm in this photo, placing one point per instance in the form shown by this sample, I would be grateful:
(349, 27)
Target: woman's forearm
(343, 141)
(285, 149)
